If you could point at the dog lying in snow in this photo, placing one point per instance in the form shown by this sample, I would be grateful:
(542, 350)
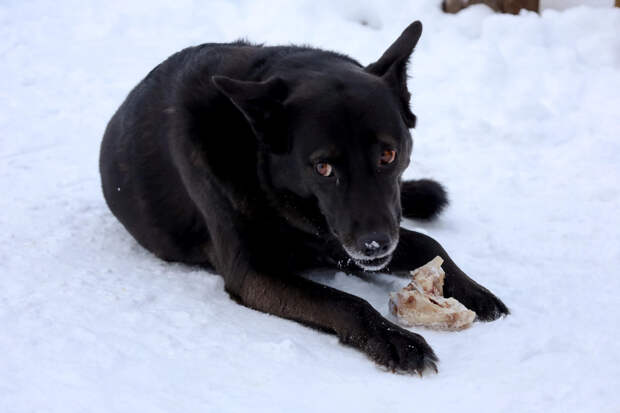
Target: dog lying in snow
(266, 162)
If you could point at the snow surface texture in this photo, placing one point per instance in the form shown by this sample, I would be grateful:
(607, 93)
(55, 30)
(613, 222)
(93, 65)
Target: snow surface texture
(518, 116)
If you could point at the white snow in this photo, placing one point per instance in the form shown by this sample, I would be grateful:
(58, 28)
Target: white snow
(565, 4)
(518, 116)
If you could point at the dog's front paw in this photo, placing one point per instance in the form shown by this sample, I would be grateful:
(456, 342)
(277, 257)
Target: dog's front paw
(400, 350)
(392, 347)
(477, 298)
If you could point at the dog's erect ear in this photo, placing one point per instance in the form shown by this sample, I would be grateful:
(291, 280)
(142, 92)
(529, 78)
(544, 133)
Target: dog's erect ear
(392, 67)
(262, 105)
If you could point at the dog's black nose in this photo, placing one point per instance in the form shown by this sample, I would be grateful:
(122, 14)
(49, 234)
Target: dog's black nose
(374, 244)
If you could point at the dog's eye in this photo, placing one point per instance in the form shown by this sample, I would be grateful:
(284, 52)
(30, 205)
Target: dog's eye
(324, 169)
(387, 156)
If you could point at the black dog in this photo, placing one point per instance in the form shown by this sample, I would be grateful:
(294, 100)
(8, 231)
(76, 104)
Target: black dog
(265, 162)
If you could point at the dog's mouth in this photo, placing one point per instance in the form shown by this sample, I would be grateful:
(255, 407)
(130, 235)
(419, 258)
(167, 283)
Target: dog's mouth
(373, 264)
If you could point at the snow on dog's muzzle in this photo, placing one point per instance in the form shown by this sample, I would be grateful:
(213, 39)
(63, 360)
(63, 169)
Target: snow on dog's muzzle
(370, 263)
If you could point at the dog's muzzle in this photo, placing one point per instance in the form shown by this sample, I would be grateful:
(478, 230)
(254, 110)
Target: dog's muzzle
(367, 263)
(373, 264)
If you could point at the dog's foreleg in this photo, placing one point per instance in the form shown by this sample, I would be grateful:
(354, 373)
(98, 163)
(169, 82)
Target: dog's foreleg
(415, 249)
(352, 319)
(272, 290)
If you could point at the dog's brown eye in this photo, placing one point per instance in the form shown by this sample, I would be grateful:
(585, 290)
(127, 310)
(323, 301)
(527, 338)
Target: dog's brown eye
(387, 156)
(324, 169)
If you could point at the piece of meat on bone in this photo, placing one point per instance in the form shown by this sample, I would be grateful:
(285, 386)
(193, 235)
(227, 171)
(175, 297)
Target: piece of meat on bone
(421, 302)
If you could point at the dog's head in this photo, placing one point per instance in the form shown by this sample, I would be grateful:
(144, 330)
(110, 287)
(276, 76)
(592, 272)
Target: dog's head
(337, 135)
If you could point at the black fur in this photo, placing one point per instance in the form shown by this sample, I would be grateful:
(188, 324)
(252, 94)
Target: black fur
(212, 160)
(423, 199)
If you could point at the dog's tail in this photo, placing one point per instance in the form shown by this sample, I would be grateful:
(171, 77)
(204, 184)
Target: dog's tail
(422, 199)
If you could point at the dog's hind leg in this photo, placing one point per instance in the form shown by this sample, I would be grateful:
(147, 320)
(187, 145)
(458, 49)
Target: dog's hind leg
(422, 199)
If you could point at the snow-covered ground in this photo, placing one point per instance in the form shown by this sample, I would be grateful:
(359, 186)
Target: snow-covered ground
(518, 115)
